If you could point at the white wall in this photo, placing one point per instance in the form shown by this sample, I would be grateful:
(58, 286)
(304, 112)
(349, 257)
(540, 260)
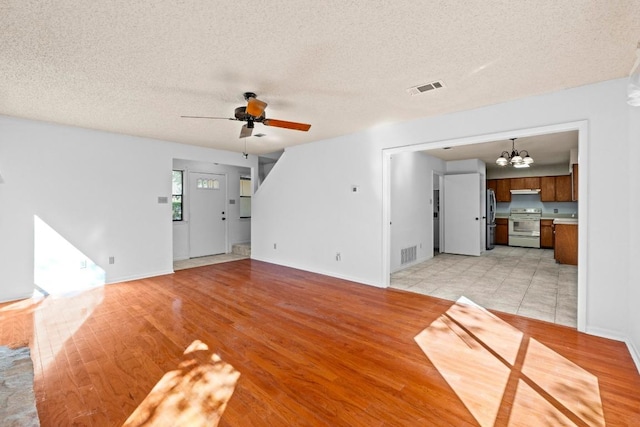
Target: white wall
(411, 205)
(310, 212)
(98, 190)
(239, 230)
(307, 209)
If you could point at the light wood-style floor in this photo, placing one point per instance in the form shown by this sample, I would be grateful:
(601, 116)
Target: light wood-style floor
(248, 343)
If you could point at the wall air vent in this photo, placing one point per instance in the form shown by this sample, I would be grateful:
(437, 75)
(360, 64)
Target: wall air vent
(416, 90)
(408, 255)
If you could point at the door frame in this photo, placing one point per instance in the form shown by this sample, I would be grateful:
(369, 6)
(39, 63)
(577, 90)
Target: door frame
(439, 175)
(581, 126)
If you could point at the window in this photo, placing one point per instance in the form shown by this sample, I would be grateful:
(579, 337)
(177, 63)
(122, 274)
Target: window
(177, 195)
(208, 184)
(245, 197)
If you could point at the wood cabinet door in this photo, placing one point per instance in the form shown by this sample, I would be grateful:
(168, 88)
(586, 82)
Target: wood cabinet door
(546, 233)
(532, 182)
(566, 244)
(548, 189)
(563, 188)
(492, 184)
(517, 184)
(503, 190)
(502, 231)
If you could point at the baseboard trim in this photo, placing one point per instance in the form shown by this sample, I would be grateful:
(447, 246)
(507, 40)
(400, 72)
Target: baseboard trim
(612, 335)
(411, 264)
(17, 298)
(138, 277)
(606, 333)
(319, 271)
(635, 354)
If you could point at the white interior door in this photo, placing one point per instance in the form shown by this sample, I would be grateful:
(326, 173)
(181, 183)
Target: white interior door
(461, 214)
(207, 214)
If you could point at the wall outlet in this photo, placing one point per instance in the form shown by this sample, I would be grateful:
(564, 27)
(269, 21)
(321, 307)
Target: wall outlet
(163, 200)
(355, 188)
(338, 256)
(555, 211)
(83, 264)
(112, 260)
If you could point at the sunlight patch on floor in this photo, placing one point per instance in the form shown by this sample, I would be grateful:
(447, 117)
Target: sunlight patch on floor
(195, 394)
(505, 378)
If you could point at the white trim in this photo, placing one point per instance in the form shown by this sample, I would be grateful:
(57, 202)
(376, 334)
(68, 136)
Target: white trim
(386, 220)
(411, 264)
(18, 298)
(139, 276)
(356, 280)
(581, 126)
(635, 354)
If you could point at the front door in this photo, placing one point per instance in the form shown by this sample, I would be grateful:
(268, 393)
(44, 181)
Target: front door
(207, 214)
(462, 225)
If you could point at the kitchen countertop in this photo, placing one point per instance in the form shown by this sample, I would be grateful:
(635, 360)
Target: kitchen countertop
(545, 215)
(566, 221)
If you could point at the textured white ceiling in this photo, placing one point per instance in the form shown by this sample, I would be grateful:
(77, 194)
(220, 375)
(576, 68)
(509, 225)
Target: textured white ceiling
(549, 149)
(134, 67)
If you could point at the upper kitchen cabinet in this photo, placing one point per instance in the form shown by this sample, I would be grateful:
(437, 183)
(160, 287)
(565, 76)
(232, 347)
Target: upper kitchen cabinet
(532, 182)
(563, 189)
(503, 190)
(548, 189)
(517, 184)
(492, 185)
(527, 183)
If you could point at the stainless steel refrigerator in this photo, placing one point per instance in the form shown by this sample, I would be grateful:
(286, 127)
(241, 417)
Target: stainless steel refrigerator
(491, 219)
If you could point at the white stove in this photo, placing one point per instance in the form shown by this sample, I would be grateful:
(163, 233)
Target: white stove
(524, 227)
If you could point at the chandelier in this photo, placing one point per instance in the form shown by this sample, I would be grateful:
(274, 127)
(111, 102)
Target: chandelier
(516, 159)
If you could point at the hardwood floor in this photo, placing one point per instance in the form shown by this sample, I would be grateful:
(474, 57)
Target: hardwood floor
(249, 343)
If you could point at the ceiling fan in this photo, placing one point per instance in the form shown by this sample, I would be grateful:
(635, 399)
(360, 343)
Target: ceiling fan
(254, 113)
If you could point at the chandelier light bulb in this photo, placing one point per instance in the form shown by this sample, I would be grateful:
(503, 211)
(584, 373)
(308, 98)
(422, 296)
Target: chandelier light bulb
(515, 159)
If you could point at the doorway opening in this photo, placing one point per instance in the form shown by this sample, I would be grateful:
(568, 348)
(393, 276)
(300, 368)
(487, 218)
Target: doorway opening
(581, 128)
(215, 221)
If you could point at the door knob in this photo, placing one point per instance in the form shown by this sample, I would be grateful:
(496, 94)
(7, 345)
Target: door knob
(477, 218)
(224, 219)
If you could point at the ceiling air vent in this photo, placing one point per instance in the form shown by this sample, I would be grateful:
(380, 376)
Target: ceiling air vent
(416, 90)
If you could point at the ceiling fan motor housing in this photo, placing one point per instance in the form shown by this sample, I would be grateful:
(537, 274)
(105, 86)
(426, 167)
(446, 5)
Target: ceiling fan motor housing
(241, 114)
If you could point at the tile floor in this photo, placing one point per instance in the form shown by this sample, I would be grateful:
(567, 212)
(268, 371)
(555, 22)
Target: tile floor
(522, 281)
(206, 260)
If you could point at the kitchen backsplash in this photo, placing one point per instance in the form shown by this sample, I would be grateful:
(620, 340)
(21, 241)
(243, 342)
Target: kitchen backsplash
(533, 201)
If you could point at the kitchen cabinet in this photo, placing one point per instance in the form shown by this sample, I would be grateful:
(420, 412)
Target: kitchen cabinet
(502, 231)
(503, 190)
(548, 189)
(566, 243)
(546, 233)
(531, 182)
(517, 184)
(525, 183)
(552, 188)
(574, 180)
(563, 188)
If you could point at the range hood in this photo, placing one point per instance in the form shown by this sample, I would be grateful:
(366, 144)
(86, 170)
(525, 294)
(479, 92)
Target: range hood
(526, 191)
